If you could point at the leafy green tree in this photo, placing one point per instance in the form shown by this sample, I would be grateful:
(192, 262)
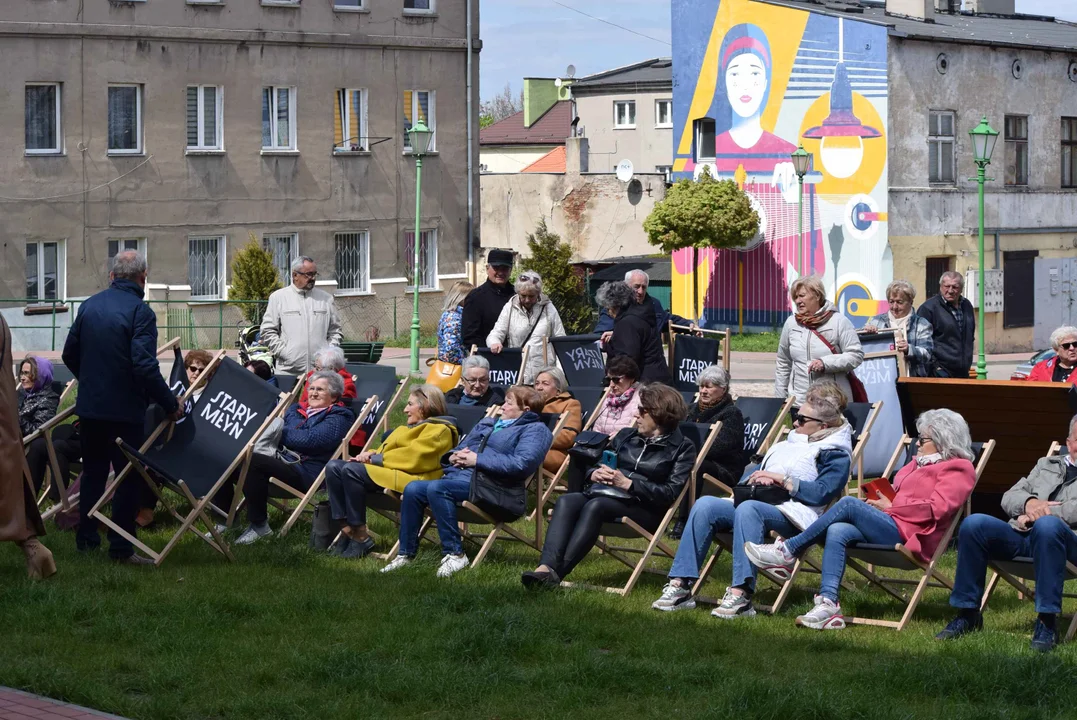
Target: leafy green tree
(552, 259)
(254, 277)
(701, 214)
(486, 121)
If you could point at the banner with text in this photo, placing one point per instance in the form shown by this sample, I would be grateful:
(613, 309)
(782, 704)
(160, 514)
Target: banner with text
(504, 366)
(581, 359)
(691, 355)
(879, 375)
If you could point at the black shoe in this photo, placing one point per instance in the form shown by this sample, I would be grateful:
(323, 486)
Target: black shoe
(962, 625)
(677, 531)
(1044, 638)
(536, 580)
(358, 549)
(340, 546)
(134, 559)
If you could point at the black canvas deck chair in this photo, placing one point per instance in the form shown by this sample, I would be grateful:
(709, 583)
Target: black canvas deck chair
(377, 382)
(468, 416)
(867, 559)
(286, 383)
(763, 418)
(702, 436)
(506, 367)
(689, 355)
(199, 454)
(1019, 571)
(581, 360)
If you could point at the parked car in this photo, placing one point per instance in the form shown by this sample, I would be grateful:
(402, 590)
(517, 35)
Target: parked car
(1022, 371)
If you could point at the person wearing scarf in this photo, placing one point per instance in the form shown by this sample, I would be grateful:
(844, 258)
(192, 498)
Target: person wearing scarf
(619, 410)
(816, 342)
(913, 336)
(37, 399)
(930, 489)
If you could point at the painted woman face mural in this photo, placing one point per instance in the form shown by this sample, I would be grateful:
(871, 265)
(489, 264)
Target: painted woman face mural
(746, 84)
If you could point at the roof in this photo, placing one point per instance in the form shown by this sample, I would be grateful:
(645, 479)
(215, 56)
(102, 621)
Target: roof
(659, 269)
(653, 74)
(551, 129)
(1024, 31)
(551, 162)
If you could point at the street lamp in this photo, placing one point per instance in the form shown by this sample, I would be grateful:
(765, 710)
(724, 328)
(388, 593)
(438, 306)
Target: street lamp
(419, 136)
(983, 144)
(801, 161)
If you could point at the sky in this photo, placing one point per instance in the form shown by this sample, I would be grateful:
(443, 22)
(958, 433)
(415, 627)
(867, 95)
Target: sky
(541, 38)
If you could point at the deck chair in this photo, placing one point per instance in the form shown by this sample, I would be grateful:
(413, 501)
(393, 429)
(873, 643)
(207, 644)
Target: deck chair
(1022, 569)
(689, 354)
(378, 382)
(861, 417)
(763, 418)
(581, 359)
(591, 399)
(507, 366)
(201, 452)
(897, 557)
(286, 383)
(702, 436)
(467, 416)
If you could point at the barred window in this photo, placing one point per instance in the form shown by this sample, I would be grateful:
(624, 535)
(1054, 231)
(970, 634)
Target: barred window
(205, 266)
(353, 261)
(284, 247)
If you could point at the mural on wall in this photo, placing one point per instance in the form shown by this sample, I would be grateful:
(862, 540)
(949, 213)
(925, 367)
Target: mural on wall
(750, 82)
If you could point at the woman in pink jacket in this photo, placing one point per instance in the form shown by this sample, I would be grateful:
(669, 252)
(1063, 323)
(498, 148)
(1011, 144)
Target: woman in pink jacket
(930, 489)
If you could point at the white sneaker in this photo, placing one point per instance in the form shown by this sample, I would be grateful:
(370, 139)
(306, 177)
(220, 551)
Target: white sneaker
(451, 564)
(253, 534)
(219, 527)
(826, 615)
(773, 558)
(674, 597)
(398, 562)
(734, 606)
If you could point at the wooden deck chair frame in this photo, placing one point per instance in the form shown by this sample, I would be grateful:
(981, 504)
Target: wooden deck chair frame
(722, 335)
(625, 527)
(1019, 571)
(383, 422)
(866, 559)
(53, 475)
(199, 507)
(524, 351)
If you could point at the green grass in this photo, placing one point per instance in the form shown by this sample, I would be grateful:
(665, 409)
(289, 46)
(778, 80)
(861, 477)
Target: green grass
(755, 342)
(404, 340)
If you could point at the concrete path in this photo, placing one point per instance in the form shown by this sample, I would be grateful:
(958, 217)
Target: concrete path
(18, 705)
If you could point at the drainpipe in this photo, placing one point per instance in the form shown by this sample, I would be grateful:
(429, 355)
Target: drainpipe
(1024, 231)
(470, 162)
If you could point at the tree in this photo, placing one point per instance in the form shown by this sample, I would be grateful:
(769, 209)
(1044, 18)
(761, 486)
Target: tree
(500, 106)
(254, 277)
(552, 259)
(701, 214)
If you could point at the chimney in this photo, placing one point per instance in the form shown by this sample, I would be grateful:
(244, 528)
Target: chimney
(577, 150)
(540, 94)
(991, 7)
(917, 9)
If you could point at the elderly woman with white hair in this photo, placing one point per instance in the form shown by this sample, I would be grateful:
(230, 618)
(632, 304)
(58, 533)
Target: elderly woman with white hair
(474, 388)
(553, 387)
(527, 320)
(1060, 368)
(331, 358)
(913, 335)
(930, 490)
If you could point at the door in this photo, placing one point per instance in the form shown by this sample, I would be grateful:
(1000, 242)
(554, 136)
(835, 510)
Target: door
(935, 267)
(1056, 297)
(1018, 289)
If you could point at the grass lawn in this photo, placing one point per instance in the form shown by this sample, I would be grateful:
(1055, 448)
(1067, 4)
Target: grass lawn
(755, 342)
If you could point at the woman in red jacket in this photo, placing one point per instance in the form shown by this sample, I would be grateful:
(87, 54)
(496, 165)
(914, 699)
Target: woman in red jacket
(331, 358)
(930, 489)
(1062, 367)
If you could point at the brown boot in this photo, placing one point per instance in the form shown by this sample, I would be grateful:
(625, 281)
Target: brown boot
(39, 562)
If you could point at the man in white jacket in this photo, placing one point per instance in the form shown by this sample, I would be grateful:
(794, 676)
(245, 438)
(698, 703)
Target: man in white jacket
(300, 320)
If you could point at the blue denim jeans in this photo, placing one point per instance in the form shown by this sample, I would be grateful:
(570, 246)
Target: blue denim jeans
(441, 496)
(1050, 544)
(750, 522)
(848, 522)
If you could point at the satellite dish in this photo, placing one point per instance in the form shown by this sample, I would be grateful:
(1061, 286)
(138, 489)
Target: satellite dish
(557, 82)
(624, 170)
(570, 71)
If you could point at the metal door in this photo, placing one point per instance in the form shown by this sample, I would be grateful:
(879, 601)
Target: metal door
(1056, 297)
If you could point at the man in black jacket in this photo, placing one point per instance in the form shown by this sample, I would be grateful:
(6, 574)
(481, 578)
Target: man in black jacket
(482, 306)
(112, 350)
(953, 322)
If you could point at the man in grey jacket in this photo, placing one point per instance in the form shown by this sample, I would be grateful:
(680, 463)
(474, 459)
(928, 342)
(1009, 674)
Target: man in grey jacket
(300, 320)
(1043, 513)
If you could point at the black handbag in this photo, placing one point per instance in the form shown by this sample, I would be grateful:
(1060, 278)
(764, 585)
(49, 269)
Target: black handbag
(597, 490)
(589, 446)
(503, 500)
(769, 494)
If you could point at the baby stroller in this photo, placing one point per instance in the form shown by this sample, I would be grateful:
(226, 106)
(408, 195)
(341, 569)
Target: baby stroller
(251, 347)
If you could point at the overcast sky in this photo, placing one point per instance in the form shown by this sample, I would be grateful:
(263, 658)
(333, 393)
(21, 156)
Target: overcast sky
(540, 38)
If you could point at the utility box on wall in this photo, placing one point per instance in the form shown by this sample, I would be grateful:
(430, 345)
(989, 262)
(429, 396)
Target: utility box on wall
(993, 296)
(1056, 297)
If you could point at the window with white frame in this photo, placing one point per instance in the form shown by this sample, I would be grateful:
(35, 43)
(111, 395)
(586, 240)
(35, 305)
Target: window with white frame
(349, 121)
(624, 114)
(428, 259)
(205, 117)
(125, 119)
(663, 113)
(418, 6)
(118, 245)
(940, 147)
(205, 266)
(348, 5)
(278, 118)
(284, 247)
(666, 170)
(44, 130)
(419, 105)
(46, 270)
(705, 140)
(353, 261)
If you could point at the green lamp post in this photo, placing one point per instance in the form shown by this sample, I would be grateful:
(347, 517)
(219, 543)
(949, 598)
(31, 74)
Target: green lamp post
(801, 163)
(983, 144)
(419, 135)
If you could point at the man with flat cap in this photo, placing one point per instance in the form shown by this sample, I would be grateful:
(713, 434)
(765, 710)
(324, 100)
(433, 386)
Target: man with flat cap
(483, 304)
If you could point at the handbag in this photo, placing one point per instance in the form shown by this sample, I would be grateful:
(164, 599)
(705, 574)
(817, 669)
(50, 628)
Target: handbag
(443, 375)
(503, 500)
(321, 527)
(589, 446)
(596, 489)
(268, 444)
(769, 494)
(860, 393)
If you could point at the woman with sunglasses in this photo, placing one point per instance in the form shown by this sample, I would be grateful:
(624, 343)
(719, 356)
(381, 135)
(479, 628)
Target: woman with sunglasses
(619, 409)
(38, 403)
(527, 319)
(930, 489)
(1063, 366)
(811, 465)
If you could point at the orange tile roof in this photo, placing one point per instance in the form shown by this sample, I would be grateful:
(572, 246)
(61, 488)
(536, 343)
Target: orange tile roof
(551, 162)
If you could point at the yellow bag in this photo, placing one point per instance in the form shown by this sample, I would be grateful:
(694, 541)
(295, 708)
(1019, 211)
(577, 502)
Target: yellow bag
(442, 374)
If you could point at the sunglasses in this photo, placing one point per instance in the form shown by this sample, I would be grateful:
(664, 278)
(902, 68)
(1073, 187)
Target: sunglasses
(615, 379)
(1068, 346)
(196, 369)
(799, 419)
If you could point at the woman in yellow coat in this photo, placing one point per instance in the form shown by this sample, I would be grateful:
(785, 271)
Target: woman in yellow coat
(411, 452)
(552, 385)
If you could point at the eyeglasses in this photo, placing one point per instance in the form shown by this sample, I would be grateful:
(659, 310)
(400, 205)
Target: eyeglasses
(1068, 346)
(476, 381)
(196, 369)
(799, 419)
(309, 275)
(315, 389)
(615, 379)
(26, 373)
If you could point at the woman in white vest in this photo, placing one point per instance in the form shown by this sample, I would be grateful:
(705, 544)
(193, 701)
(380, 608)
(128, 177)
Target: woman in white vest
(797, 480)
(527, 319)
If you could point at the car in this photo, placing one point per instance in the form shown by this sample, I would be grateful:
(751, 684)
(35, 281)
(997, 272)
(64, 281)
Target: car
(1022, 371)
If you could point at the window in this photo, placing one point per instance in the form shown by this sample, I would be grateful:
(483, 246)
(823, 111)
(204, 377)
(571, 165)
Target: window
(666, 170)
(420, 104)
(278, 118)
(44, 133)
(125, 119)
(353, 261)
(419, 6)
(115, 245)
(284, 248)
(46, 271)
(624, 114)
(1069, 152)
(348, 4)
(205, 266)
(705, 140)
(205, 117)
(1016, 133)
(349, 122)
(663, 113)
(940, 147)
(428, 259)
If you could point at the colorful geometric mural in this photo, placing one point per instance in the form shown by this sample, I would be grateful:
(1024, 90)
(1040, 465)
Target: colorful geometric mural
(750, 81)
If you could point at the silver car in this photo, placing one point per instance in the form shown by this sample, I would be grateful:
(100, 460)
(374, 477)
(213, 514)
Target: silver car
(1022, 371)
